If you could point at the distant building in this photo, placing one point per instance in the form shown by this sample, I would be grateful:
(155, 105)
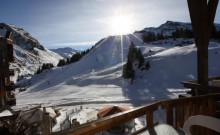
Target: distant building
(114, 109)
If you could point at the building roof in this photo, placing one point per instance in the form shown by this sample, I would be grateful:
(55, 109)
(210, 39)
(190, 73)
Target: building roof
(36, 116)
(110, 110)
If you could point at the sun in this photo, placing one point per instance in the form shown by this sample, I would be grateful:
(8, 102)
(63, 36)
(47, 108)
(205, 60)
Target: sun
(121, 24)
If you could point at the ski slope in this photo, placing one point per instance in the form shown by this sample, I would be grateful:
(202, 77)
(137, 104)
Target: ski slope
(96, 78)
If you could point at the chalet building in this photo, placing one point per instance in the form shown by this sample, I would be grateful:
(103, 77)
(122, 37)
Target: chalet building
(114, 109)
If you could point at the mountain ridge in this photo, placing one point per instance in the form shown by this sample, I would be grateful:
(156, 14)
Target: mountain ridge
(28, 52)
(169, 27)
(65, 52)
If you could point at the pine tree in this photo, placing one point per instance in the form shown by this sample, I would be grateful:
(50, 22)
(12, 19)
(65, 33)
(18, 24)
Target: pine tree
(147, 66)
(149, 37)
(38, 71)
(76, 57)
(67, 61)
(132, 52)
(61, 63)
(128, 71)
(140, 58)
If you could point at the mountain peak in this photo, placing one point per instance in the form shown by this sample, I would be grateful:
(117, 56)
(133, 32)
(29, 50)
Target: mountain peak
(65, 52)
(167, 28)
(29, 54)
(22, 38)
(168, 21)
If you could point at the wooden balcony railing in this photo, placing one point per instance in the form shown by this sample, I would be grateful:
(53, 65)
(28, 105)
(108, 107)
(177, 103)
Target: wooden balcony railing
(177, 111)
(198, 89)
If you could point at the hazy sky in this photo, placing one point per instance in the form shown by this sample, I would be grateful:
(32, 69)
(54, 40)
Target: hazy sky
(60, 23)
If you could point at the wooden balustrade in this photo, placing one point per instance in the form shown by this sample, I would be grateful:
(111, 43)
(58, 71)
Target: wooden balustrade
(198, 89)
(177, 112)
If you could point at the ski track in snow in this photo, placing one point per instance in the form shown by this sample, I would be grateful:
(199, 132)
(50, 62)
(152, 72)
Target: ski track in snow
(96, 78)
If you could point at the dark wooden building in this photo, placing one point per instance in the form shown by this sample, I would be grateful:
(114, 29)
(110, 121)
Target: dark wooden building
(7, 97)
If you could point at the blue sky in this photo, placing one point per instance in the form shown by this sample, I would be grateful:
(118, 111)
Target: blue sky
(79, 23)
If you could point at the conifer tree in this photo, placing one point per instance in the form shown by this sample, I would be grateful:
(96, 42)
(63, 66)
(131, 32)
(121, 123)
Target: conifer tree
(147, 66)
(132, 52)
(38, 71)
(140, 58)
(67, 61)
(128, 71)
(61, 63)
(76, 57)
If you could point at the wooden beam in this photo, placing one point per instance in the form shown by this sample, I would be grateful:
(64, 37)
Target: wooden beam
(202, 16)
(150, 119)
(169, 114)
(198, 13)
(212, 7)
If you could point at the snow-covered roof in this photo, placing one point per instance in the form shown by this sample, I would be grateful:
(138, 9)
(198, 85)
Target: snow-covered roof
(6, 113)
(109, 110)
(36, 115)
(50, 111)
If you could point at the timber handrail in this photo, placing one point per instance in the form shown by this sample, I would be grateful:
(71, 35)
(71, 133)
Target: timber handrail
(200, 89)
(196, 81)
(177, 111)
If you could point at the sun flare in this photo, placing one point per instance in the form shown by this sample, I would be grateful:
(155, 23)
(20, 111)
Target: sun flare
(121, 24)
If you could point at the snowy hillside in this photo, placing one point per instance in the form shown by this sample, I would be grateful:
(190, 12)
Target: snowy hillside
(29, 53)
(66, 52)
(79, 89)
(96, 78)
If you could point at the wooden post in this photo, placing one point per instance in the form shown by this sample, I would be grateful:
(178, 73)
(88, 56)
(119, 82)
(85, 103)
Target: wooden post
(177, 116)
(46, 123)
(169, 114)
(202, 16)
(149, 119)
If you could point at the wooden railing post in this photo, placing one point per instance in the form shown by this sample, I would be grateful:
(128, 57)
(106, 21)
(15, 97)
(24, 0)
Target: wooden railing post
(149, 119)
(211, 112)
(46, 123)
(177, 122)
(169, 115)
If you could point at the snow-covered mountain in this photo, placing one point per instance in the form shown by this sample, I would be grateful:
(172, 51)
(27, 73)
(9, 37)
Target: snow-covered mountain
(66, 52)
(96, 78)
(169, 27)
(96, 81)
(29, 53)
